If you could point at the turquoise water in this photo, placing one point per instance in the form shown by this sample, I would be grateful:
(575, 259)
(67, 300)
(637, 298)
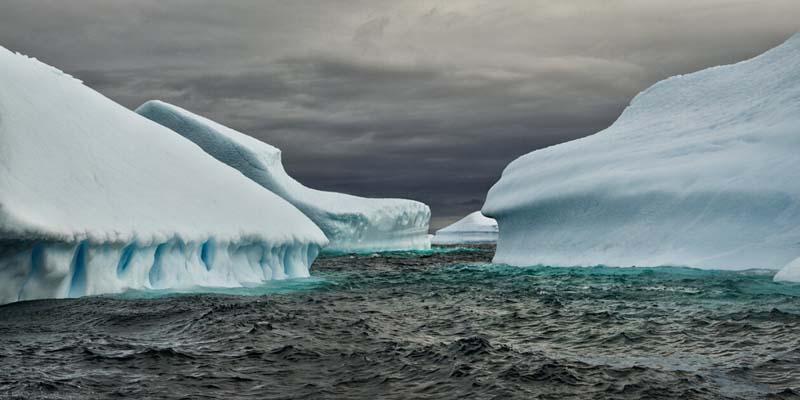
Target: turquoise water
(676, 283)
(318, 281)
(403, 253)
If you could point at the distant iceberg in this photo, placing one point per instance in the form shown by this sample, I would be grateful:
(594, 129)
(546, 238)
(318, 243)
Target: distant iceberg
(700, 170)
(97, 199)
(352, 224)
(473, 229)
(789, 273)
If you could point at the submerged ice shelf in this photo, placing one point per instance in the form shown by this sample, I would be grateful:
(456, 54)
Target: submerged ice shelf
(351, 223)
(700, 170)
(474, 228)
(96, 199)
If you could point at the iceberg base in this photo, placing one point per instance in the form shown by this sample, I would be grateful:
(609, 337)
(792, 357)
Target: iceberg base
(40, 269)
(789, 273)
(377, 243)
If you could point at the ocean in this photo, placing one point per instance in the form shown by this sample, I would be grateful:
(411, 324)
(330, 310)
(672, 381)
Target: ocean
(439, 324)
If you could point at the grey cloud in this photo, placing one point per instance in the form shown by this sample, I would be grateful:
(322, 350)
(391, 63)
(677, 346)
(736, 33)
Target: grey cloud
(394, 98)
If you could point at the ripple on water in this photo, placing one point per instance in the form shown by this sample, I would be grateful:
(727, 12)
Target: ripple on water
(443, 323)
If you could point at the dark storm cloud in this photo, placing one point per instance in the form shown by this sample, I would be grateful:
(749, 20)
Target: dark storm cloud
(394, 98)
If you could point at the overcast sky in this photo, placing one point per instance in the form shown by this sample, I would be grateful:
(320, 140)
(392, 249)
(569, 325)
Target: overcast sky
(419, 99)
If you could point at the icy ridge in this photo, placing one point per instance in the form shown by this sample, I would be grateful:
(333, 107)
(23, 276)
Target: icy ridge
(351, 223)
(86, 183)
(700, 170)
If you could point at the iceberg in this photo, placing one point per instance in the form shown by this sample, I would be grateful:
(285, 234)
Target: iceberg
(700, 170)
(352, 224)
(789, 273)
(97, 199)
(475, 228)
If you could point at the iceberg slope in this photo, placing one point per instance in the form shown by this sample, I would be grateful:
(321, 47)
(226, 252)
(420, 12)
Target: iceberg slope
(474, 228)
(95, 199)
(351, 223)
(699, 170)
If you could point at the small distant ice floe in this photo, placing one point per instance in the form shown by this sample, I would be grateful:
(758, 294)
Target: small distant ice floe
(475, 228)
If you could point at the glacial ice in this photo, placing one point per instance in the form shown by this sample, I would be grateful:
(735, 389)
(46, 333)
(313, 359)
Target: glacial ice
(700, 170)
(97, 199)
(474, 228)
(352, 224)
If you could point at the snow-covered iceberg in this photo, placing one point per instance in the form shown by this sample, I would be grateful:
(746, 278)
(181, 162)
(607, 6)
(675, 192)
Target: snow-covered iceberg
(351, 223)
(95, 199)
(474, 228)
(700, 170)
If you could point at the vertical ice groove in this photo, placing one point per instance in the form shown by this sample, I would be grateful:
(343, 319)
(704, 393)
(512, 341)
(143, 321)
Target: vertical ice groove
(207, 253)
(77, 285)
(125, 258)
(155, 270)
(37, 259)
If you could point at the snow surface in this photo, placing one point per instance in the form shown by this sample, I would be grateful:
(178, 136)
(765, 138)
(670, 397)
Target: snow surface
(96, 199)
(351, 223)
(474, 228)
(700, 170)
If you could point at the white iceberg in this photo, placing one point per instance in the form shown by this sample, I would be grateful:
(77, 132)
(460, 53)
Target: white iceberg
(700, 170)
(475, 228)
(97, 199)
(789, 273)
(352, 224)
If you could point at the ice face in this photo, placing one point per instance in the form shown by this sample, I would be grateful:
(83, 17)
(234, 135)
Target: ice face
(351, 223)
(700, 170)
(95, 198)
(38, 270)
(474, 228)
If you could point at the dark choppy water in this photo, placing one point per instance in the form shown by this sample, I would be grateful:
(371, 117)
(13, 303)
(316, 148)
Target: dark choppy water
(436, 325)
